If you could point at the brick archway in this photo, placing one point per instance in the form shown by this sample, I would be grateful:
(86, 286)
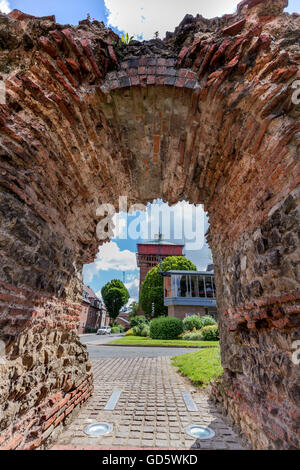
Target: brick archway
(206, 116)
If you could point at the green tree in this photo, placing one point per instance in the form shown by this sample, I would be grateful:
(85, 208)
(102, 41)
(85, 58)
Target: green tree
(152, 292)
(134, 308)
(115, 296)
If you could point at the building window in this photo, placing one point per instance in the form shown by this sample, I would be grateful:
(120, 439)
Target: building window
(201, 286)
(209, 287)
(187, 285)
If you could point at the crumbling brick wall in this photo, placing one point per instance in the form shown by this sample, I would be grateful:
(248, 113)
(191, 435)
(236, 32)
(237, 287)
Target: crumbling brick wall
(208, 115)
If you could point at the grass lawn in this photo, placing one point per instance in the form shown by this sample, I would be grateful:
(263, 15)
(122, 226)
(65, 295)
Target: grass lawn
(140, 341)
(200, 367)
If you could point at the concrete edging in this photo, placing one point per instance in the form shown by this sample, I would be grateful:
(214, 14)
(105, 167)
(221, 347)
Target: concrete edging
(150, 346)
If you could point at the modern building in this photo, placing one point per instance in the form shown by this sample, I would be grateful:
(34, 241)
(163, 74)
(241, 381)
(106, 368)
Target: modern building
(93, 314)
(189, 293)
(150, 253)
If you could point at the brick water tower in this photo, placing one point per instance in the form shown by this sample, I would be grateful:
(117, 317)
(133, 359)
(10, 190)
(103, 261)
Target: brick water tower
(150, 253)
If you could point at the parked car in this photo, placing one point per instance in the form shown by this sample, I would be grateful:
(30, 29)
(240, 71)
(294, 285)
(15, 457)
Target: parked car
(104, 330)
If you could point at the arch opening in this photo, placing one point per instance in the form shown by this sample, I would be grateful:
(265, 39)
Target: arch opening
(210, 118)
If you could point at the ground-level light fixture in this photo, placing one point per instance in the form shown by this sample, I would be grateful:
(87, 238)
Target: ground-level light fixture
(200, 432)
(97, 429)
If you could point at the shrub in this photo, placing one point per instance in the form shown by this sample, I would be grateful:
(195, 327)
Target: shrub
(90, 330)
(145, 331)
(138, 320)
(165, 328)
(115, 330)
(210, 333)
(130, 333)
(140, 330)
(189, 323)
(207, 320)
(193, 336)
(197, 322)
(137, 330)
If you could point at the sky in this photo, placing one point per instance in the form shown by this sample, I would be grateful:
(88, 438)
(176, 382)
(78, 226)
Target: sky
(183, 223)
(141, 19)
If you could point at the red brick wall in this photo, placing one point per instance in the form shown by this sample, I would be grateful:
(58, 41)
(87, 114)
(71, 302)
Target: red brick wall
(83, 318)
(180, 311)
(82, 125)
(40, 425)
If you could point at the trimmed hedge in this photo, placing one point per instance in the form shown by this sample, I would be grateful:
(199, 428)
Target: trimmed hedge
(210, 333)
(165, 328)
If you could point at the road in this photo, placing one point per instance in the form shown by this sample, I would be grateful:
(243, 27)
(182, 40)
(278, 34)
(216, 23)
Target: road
(98, 351)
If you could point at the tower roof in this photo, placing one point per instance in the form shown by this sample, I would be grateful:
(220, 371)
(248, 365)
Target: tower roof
(159, 242)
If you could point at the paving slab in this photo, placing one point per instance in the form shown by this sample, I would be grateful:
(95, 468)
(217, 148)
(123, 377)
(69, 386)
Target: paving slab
(151, 412)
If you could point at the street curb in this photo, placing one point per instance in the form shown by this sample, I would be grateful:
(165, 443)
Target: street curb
(151, 346)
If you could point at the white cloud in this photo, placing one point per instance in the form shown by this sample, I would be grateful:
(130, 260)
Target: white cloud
(133, 288)
(144, 17)
(182, 222)
(4, 6)
(110, 257)
(130, 277)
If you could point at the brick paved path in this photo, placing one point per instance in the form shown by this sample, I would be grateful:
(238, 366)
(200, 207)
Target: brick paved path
(150, 413)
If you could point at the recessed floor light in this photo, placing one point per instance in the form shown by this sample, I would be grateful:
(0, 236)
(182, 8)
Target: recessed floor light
(200, 432)
(98, 429)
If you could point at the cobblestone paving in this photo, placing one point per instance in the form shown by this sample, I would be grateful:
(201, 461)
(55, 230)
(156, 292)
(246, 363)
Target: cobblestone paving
(150, 413)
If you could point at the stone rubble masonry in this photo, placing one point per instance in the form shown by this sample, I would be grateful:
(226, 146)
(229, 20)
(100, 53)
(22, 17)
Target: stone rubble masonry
(205, 115)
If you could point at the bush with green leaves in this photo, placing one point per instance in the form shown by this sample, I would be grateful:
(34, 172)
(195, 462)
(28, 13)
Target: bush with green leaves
(145, 332)
(197, 322)
(140, 330)
(192, 336)
(166, 328)
(115, 330)
(210, 333)
(90, 330)
(138, 320)
(207, 320)
(134, 308)
(137, 329)
(194, 321)
(130, 333)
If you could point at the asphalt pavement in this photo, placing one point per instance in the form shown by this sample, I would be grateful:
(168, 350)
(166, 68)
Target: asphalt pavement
(97, 351)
